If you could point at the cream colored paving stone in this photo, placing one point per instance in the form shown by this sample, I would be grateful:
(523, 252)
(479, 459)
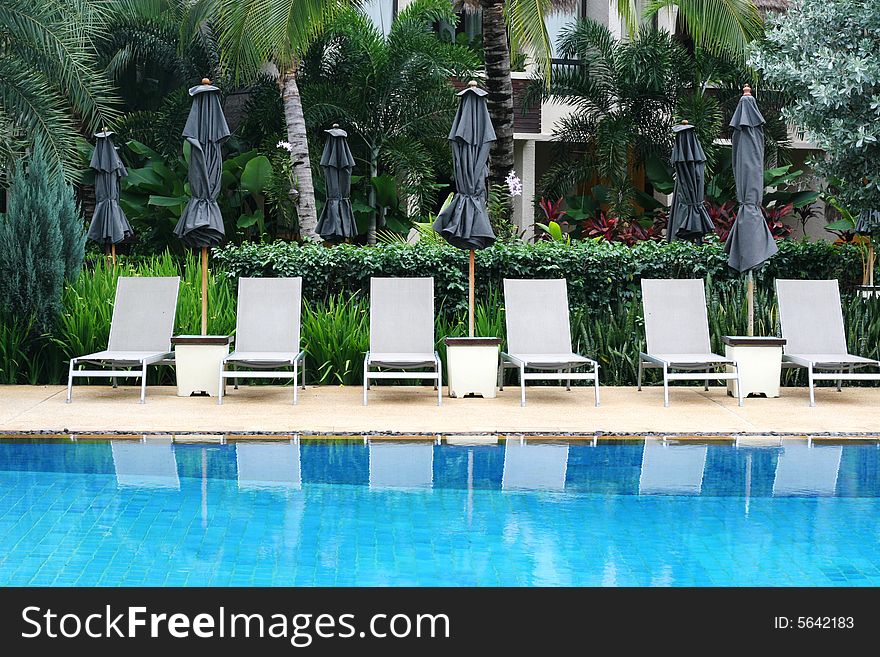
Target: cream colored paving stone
(410, 409)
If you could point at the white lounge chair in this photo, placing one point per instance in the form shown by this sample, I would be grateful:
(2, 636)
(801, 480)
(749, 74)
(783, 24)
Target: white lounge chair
(672, 469)
(677, 333)
(268, 465)
(812, 325)
(539, 335)
(402, 332)
(401, 465)
(805, 469)
(150, 463)
(267, 333)
(534, 467)
(140, 332)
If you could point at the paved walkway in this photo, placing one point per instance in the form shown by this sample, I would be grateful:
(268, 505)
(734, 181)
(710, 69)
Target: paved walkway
(413, 410)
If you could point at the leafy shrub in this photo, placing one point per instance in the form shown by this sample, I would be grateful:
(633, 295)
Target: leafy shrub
(42, 241)
(598, 272)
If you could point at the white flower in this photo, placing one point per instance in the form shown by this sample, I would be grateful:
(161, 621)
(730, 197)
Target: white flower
(286, 145)
(514, 184)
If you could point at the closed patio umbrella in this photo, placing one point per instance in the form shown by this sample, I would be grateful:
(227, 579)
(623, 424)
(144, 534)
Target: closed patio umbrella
(750, 243)
(201, 224)
(464, 223)
(109, 225)
(688, 219)
(337, 221)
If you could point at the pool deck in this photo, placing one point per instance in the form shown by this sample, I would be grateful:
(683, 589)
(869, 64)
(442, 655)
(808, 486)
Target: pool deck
(413, 410)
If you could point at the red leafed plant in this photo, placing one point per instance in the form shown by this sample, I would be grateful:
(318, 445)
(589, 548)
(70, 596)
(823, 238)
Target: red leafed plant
(620, 230)
(774, 217)
(600, 226)
(723, 216)
(553, 212)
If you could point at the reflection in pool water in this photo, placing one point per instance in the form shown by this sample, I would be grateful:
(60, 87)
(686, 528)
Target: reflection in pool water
(377, 512)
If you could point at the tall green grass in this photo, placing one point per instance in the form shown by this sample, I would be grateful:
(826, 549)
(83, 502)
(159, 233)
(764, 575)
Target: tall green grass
(335, 331)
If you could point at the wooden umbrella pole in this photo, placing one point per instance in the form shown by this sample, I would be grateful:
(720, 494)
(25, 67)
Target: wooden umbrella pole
(750, 294)
(113, 253)
(204, 290)
(471, 294)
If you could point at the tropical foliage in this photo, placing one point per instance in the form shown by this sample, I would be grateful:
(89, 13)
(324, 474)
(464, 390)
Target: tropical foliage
(393, 95)
(825, 54)
(722, 28)
(50, 80)
(256, 32)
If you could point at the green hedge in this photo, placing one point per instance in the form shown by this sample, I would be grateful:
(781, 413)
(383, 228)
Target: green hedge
(599, 273)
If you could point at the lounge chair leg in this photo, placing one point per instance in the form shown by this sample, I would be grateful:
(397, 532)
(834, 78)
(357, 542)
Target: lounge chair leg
(596, 382)
(143, 383)
(295, 381)
(220, 387)
(706, 382)
(639, 378)
(522, 386)
(303, 373)
(810, 383)
(665, 386)
(501, 376)
(739, 388)
(70, 380)
(839, 383)
(439, 386)
(568, 382)
(114, 382)
(366, 380)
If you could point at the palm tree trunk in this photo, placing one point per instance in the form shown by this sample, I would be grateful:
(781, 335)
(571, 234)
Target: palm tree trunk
(500, 88)
(373, 200)
(299, 157)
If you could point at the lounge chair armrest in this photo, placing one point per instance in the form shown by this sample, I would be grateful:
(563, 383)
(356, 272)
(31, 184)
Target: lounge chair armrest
(653, 359)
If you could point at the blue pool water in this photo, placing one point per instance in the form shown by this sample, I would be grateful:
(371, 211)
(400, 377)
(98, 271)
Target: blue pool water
(312, 512)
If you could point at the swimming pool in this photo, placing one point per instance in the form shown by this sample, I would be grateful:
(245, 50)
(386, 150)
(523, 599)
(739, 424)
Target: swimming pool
(360, 513)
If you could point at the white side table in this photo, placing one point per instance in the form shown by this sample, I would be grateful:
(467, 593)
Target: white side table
(472, 366)
(197, 362)
(760, 364)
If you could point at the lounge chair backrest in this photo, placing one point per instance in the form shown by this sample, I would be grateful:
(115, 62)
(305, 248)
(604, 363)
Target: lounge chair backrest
(143, 313)
(268, 315)
(536, 316)
(810, 316)
(402, 315)
(675, 316)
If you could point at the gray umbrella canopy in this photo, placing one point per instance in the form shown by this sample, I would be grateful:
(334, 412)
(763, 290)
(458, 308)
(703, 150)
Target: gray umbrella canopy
(750, 242)
(337, 221)
(109, 224)
(464, 223)
(688, 219)
(201, 224)
(868, 222)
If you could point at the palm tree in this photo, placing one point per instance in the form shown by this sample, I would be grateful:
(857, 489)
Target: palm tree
(392, 93)
(256, 32)
(151, 49)
(510, 25)
(51, 87)
(625, 97)
(719, 26)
